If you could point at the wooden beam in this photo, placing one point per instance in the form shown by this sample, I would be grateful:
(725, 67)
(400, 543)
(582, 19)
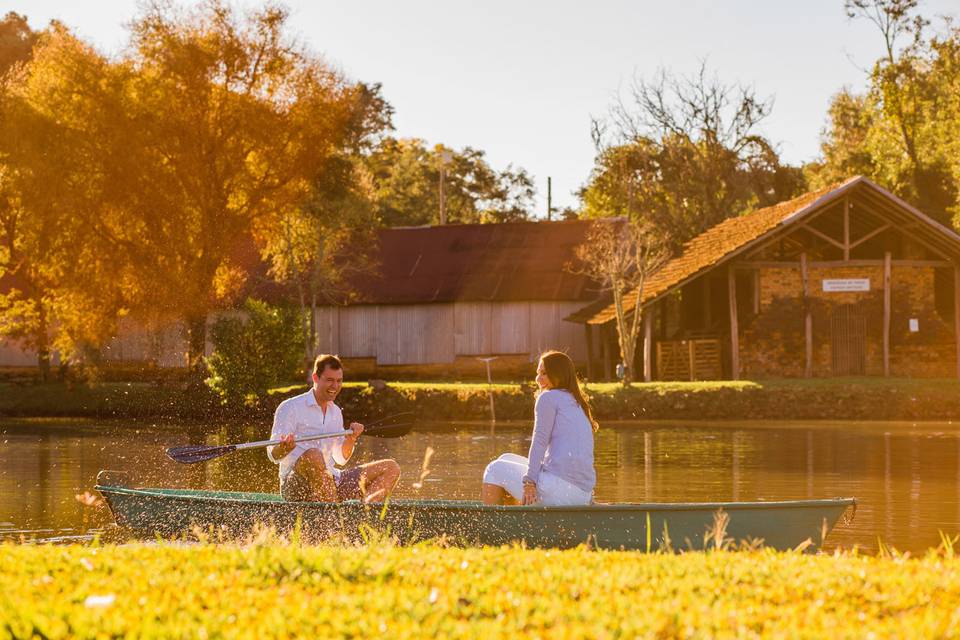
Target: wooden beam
(707, 304)
(908, 221)
(956, 312)
(822, 235)
(828, 264)
(886, 314)
(605, 344)
(846, 228)
(756, 291)
(589, 335)
(807, 319)
(648, 344)
(859, 241)
(734, 330)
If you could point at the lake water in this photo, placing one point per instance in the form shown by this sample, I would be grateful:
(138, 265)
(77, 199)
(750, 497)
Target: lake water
(905, 476)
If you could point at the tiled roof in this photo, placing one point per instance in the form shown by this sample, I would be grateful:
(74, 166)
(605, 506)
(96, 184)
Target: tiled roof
(717, 243)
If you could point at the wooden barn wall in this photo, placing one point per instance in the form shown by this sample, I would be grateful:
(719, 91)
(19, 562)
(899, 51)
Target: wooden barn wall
(391, 334)
(327, 326)
(358, 332)
(472, 322)
(438, 333)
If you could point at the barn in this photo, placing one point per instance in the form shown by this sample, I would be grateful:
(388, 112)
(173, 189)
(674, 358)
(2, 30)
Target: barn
(447, 296)
(442, 298)
(849, 280)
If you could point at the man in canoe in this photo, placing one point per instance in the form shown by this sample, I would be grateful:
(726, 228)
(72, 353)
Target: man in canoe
(308, 470)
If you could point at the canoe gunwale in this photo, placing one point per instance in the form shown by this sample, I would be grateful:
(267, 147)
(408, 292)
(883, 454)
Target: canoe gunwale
(188, 496)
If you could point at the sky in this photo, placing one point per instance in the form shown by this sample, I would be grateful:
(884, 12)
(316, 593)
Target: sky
(521, 80)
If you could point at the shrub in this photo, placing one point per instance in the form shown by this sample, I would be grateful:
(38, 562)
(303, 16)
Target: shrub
(255, 352)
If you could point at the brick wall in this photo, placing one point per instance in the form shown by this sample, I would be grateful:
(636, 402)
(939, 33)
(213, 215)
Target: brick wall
(772, 343)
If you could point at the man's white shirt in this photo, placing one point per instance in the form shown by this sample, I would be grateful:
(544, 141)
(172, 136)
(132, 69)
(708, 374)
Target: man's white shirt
(302, 416)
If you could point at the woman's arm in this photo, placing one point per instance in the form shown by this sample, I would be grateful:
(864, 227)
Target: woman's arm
(545, 418)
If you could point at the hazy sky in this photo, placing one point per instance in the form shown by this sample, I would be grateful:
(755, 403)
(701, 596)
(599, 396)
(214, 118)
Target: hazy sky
(521, 79)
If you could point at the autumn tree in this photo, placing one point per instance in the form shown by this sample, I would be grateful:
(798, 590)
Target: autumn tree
(230, 122)
(621, 254)
(405, 175)
(685, 153)
(61, 285)
(16, 41)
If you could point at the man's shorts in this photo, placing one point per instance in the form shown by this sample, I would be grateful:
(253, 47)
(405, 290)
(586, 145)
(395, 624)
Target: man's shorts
(296, 488)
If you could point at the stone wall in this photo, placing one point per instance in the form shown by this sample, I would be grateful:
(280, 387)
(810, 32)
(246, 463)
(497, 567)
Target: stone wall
(772, 343)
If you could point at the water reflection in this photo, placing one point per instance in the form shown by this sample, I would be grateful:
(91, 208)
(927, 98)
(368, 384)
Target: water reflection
(906, 476)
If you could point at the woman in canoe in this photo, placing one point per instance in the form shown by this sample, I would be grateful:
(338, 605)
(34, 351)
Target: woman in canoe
(558, 469)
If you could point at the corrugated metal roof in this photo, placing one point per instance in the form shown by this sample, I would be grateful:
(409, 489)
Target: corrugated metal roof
(478, 262)
(721, 242)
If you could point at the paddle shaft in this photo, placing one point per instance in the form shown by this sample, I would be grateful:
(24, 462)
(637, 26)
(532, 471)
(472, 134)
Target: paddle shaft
(273, 443)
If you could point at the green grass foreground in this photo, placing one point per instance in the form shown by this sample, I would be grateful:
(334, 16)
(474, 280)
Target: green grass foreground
(271, 589)
(815, 399)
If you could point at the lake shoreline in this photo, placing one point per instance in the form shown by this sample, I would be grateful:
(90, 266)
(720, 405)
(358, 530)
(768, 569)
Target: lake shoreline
(870, 399)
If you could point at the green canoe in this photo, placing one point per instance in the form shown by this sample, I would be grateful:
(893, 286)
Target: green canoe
(781, 525)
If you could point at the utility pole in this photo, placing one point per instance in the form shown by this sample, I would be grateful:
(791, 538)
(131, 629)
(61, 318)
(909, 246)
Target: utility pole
(549, 198)
(445, 157)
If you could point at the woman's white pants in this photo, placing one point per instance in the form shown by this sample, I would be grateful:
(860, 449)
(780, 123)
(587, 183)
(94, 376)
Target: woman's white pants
(508, 470)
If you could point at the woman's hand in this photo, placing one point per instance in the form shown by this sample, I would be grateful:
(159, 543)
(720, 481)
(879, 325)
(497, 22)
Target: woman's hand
(529, 493)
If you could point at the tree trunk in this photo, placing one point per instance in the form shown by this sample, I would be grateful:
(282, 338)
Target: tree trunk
(43, 344)
(196, 344)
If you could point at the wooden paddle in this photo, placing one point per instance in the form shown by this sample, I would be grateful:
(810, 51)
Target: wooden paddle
(193, 453)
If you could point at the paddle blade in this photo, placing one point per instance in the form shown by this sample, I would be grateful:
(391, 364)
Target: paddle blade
(392, 431)
(193, 453)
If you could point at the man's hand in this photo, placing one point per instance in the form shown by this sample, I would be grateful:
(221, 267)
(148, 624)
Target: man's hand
(286, 445)
(348, 441)
(529, 493)
(357, 429)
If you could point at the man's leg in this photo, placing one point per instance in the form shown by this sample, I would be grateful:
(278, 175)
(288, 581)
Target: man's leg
(314, 470)
(370, 482)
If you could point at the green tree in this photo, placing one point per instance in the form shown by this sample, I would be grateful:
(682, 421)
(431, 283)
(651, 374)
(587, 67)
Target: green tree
(254, 353)
(406, 183)
(685, 153)
(901, 132)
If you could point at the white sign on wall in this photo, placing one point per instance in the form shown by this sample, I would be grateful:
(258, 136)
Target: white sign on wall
(846, 284)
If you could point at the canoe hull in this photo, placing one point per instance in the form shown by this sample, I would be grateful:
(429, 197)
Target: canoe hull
(781, 525)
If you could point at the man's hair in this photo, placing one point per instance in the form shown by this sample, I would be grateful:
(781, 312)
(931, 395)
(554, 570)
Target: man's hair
(325, 360)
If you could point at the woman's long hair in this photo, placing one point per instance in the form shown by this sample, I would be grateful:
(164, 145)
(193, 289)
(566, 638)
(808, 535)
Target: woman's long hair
(563, 375)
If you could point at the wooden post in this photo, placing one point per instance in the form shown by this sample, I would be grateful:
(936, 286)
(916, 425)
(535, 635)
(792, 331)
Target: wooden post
(807, 319)
(707, 304)
(691, 358)
(588, 330)
(734, 330)
(846, 229)
(756, 291)
(956, 311)
(648, 344)
(605, 345)
(886, 314)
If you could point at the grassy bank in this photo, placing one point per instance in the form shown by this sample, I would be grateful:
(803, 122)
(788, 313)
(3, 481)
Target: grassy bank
(278, 590)
(838, 399)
